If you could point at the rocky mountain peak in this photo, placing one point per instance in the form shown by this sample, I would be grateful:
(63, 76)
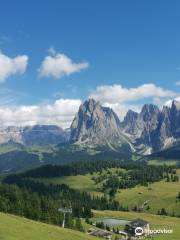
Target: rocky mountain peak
(95, 125)
(131, 116)
(148, 111)
(90, 105)
(129, 124)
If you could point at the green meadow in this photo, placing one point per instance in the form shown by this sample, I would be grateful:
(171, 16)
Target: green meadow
(79, 182)
(17, 228)
(158, 195)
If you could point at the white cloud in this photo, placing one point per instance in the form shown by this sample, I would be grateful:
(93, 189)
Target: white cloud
(61, 113)
(118, 94)
(10, 66)
(57, 65)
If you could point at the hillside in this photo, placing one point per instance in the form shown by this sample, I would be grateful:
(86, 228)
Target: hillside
(156, 196)
(17, 228)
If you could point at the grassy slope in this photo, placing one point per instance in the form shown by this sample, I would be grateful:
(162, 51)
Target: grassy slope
(17, 228)
(79, 182)
(160, 195)
(155, 221)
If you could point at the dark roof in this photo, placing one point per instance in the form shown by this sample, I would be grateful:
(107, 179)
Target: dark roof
(137, 223)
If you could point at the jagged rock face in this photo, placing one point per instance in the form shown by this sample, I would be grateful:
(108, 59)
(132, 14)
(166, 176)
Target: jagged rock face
(175, 119)
(148, 123)
(142, 124)
(35, 135)
(154, 128)
(96, 125)
(149, 114)
(169, 130)
(129, 125)
(165, 124)
(142, 127)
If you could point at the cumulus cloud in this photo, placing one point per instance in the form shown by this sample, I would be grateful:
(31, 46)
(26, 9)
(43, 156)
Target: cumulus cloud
(10, 66)
(57, 65)
(121, 99)
(61, 113)
(117, 93)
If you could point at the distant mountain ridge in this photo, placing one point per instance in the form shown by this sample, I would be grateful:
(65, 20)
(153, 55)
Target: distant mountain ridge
(34, 135)
(146, 132)
(153, 129)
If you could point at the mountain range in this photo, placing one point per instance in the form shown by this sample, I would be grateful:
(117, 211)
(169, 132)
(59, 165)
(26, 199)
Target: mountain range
(94, 126)
(153, 129)
(33, 135)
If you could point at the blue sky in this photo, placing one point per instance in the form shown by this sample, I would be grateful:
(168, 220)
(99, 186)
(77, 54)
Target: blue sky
(127, 43)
